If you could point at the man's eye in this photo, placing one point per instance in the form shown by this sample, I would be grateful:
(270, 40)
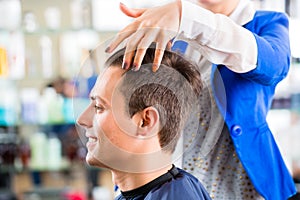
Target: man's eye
(98, 108)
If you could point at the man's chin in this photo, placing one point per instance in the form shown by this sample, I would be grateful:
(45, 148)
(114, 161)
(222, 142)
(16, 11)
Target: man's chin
(92, 161)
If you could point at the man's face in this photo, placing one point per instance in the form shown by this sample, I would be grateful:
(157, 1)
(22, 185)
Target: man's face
(116, 140)
(108, 128)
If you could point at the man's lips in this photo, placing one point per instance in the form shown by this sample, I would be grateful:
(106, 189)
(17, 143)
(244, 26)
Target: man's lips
(91, 138)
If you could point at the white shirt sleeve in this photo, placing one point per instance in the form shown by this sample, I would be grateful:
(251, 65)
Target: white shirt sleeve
(218, 38)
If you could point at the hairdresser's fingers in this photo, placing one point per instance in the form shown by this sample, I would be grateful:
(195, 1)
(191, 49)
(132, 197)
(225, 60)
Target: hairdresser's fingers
(163, 39)
(145, 43)
(139, 55)
(159, 53)
(127, 59)
(169, 45)
(128, 30)
(125, 33)
(131, 12)
(166, 17)
(131, 46)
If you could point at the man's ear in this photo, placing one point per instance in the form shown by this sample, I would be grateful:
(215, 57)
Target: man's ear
(147, 122)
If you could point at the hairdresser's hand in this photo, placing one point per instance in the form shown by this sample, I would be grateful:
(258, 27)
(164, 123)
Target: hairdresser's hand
(158, 24)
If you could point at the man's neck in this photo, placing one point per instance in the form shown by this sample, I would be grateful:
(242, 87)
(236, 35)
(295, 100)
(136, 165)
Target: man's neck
(129, 181)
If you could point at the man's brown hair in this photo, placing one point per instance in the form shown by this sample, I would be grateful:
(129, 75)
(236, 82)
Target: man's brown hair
(173, 90)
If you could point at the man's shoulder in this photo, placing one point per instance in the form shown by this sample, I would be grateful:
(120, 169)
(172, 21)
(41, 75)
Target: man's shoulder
(183, 186)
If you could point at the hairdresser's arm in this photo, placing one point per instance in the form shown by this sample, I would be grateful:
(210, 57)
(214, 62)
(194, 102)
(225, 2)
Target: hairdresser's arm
(218, 38)
(262, 56)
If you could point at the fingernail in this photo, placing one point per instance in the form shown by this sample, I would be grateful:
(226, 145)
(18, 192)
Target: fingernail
(134, 67)
(107, 49)
(124, 65)
(154, 67)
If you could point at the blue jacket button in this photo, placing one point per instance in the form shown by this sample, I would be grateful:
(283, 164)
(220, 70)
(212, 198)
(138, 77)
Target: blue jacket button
(236, 130)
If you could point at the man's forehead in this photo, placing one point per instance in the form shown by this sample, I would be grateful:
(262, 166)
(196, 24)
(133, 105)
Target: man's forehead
(107, 80)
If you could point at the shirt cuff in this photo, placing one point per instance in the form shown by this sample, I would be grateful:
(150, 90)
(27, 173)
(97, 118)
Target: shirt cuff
(205, 22)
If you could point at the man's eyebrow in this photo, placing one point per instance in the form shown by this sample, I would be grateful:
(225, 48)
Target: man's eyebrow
(95, 97)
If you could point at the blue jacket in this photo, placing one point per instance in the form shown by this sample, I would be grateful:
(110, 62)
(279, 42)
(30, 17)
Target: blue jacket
(244, 100)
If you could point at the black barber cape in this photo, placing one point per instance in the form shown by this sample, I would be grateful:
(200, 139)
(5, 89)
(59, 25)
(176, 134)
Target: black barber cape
(176, 184)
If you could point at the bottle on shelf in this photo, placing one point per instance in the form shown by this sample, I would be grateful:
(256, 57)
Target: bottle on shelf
(9, 108)
(3, 62)
(38, 146)
(29, 100)
(54, 153)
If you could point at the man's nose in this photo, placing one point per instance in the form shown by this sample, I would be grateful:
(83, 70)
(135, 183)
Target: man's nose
(85, 119)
